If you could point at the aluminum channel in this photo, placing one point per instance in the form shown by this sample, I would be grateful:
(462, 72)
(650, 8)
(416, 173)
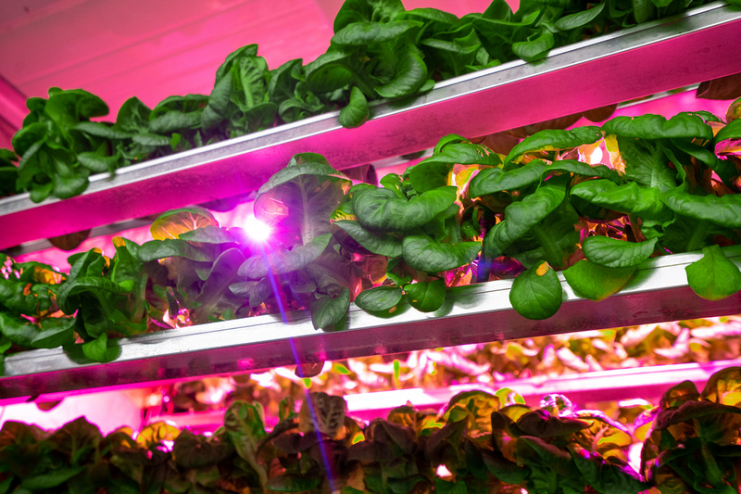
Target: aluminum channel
(696, 46)
(471, 314)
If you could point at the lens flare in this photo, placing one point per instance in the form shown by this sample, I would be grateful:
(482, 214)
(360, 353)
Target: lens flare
(257, 230)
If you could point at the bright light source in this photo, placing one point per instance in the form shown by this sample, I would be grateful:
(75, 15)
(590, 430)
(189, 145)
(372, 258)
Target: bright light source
(596, 156)
(257, 230)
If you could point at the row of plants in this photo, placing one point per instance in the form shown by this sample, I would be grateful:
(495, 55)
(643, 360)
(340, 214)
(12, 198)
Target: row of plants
(487, 443)
(379, 51)
(462, 216)
(490, 364)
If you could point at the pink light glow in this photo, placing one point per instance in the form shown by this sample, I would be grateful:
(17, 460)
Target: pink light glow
(257, 230)
(646, 383)
(95, 407)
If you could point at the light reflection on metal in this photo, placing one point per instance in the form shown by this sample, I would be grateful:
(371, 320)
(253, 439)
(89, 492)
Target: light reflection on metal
(471, 314)
(687, 49)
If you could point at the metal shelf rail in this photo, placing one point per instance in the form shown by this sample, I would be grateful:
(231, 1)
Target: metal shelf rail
(699, 45)
(471, 314)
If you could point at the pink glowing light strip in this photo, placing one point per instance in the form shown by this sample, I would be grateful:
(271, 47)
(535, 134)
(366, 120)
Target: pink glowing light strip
(648, 383)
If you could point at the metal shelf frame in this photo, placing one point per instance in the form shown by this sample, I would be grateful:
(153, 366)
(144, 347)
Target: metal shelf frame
(471, 314)
(693, 47)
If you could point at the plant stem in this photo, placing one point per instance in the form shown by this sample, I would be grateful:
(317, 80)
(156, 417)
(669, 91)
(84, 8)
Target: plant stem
(697, 239)
(553, 254)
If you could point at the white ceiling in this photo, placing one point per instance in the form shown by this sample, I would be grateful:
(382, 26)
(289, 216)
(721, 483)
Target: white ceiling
(153, 49)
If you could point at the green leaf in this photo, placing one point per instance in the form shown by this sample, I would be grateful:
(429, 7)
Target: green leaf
(378, 244)
(55, 332)
(520, 217)
(133, 116)
(380, 298)
(330, 309)
(218, 104)
(68, 294)
(657, 127)
(426, 296)
(329, 72)
(15, 296)
(211, 235)
(292, 483)
(243, 423)
(411, 74)
(583, 170)
(595, 282)
(213, 298)
(279, 262)
(492, 180)
(171, 224)
(382, 209)
(536, 48)
(301, 164)
(27, 136)
(424, 254)
(147, 139)
(503, 469)
(724, 211)
(628, 198)
(69, 186)
(356, 112)
(362, 34)
(175, 121)
(550, 140)
(646, 164)
(174, 247)
(643, 10)
(434, 171)
(730, 131)
(97, 349)
(102, 130)
(537, 293)
(444, 487)
(17, 329)
(554, 239)
(97, 163)
(580, 19)
(724, 168)
(364, 10)
(193, 451)
(51, 478)
(714, 277)
(302, 197)
(613, 253)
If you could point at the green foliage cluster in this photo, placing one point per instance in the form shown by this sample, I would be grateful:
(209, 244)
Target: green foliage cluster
(464, 215)
(379, 51)
(693, 446)
(488, 443)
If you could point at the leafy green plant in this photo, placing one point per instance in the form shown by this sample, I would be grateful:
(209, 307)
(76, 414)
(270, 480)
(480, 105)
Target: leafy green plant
(378, 51)
(488, 443)
(461, 216)
(693, 445)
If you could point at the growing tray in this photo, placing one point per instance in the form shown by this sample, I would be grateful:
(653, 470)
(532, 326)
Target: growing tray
(696, 46)
(471, 314)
